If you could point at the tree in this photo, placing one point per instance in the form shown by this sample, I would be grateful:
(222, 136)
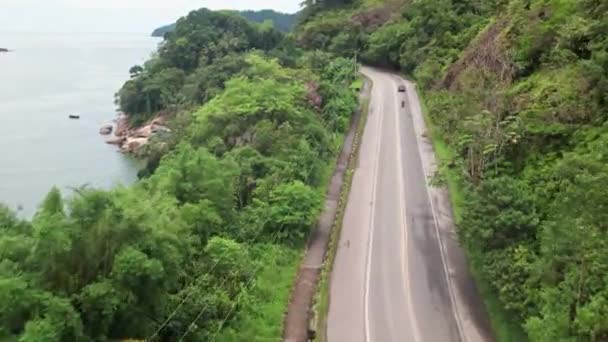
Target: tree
(194, 175)
(52, 204)
(136, 70)
(171, 79)
(294, 209)
(206, 234)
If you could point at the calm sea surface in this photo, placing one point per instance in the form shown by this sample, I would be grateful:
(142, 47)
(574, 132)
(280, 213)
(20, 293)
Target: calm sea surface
(46, 78)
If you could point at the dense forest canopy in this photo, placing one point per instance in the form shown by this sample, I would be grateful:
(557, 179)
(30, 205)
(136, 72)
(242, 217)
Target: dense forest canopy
(281, 21)
(192, 63)
(519, 90)
(206, 245)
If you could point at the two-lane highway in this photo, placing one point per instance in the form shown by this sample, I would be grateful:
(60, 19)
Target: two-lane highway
(399, 274)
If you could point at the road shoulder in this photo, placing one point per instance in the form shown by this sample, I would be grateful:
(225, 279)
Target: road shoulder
(297, 323)
(469, 307)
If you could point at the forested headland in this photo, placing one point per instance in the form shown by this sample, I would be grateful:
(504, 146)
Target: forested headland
(517, 94)
(206, 244)
(281, 21)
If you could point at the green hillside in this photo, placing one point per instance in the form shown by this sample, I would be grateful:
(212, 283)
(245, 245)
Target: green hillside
(206, 245)
(518, 90)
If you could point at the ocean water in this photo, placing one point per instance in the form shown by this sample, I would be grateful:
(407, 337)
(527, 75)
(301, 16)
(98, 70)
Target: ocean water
(43, 80)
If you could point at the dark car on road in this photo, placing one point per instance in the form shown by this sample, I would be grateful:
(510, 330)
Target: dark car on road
(401, 89)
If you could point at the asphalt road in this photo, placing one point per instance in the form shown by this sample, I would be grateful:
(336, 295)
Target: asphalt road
(399, 274)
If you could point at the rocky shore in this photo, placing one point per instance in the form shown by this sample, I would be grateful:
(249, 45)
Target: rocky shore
(131, 139)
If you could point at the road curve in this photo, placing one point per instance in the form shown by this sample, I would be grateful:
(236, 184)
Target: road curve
(399, 273)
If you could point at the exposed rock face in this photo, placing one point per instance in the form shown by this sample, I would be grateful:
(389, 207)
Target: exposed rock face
(122, 125)
(131, 139)
(106, 129)
(116, 141)
(160, 129)
(488, 52)
(143, 132)
(131, 145)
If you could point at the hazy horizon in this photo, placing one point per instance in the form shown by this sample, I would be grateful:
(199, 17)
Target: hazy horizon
(114, 16)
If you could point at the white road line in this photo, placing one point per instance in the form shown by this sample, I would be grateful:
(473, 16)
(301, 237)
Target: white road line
(404, 231)
(455, 309)
(370, 239)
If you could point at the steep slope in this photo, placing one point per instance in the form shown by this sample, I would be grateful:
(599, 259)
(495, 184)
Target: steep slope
(518, 90)
(205, 247)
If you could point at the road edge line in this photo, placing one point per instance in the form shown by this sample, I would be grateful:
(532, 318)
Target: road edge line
(455, 308)
(370, 236)
(320, 316)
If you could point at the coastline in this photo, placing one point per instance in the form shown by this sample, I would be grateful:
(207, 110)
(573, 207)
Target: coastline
(57, 151)
(131, 139)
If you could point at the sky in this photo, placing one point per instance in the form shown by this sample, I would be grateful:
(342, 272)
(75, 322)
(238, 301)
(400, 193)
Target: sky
(113, 15)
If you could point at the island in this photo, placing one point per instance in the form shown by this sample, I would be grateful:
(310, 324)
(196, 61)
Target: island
(281, 21)
(161, 31)
(4, 50)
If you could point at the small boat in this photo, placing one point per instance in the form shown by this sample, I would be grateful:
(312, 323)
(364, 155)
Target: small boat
(74, 116)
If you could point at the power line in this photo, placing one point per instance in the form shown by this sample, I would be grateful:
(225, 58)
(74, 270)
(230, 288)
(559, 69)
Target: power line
(200, 314)
(197, 283)
(238, 298)
(248, 284)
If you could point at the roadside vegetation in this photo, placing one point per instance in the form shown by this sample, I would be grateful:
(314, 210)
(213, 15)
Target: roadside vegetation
(517, 92)
(206, 245)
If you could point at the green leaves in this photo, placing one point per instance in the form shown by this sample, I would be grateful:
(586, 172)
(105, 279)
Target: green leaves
(16, 300)
(57, 321)
(35, 314)
(53, 203)
(191, 65)
(229, 258)
(192, 175)
(196, 242)
(133, 268)
(519, 89)
(99, 302)
(294, 208)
